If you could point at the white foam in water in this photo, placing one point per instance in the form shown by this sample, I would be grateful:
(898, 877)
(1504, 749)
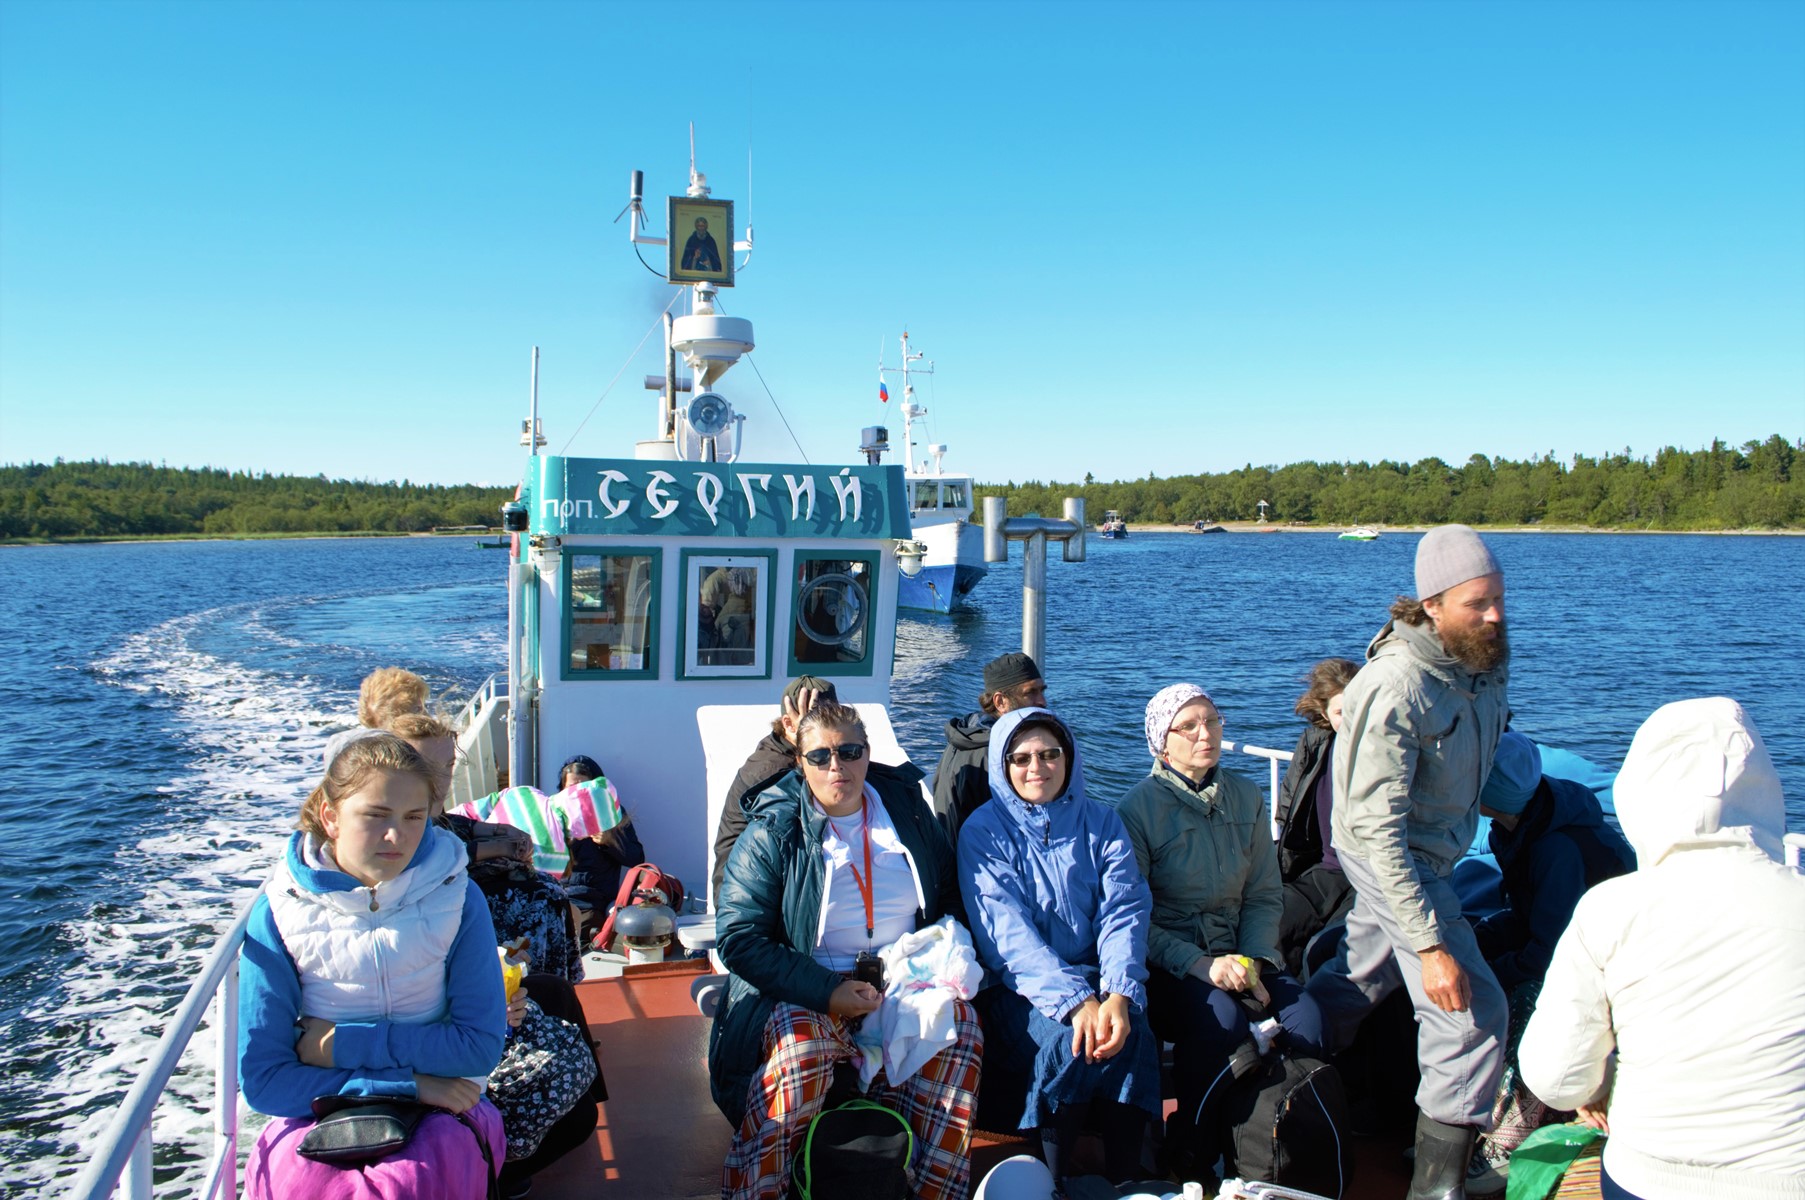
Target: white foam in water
(254, 741)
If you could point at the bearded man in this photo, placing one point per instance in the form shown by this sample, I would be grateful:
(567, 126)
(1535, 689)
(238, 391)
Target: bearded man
(1420, 725)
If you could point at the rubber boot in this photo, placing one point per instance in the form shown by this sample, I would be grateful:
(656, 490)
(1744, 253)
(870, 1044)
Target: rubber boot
(1442, 1155)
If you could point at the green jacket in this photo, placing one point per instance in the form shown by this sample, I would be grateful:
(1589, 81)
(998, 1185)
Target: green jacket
(1418, 731)
(1209, 858)
(769, 914)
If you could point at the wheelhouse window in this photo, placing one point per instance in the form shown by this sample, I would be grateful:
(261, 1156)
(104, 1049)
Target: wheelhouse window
(831, 601)
(952, 495)
(927, 495)
(727, 604)
(611, 614)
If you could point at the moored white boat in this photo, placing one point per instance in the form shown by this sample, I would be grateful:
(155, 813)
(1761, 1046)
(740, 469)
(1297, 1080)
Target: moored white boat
(1359, 533)
(951, 561)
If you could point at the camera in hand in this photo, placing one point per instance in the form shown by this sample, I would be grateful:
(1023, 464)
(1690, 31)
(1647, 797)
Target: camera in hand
(869, 968)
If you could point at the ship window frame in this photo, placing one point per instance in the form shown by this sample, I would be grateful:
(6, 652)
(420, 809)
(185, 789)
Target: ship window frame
(868, 665)
(687, 666)
(568, 612)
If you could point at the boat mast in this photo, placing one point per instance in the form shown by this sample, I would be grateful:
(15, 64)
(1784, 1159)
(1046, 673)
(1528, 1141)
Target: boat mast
(910, 409)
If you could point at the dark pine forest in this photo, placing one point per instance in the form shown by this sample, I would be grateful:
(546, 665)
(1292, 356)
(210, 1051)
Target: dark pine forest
(1759, 485)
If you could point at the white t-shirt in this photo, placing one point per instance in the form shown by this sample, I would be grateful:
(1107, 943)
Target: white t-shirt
(894, 896)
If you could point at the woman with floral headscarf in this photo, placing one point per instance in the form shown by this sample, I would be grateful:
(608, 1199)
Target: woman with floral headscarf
(1201, 840)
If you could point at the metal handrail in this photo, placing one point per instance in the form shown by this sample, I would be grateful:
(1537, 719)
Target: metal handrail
(126, 1145)
(1273, 759)
(490, 688)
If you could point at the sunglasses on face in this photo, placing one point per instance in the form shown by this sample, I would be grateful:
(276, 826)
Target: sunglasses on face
(1022, 758)
(820, 757)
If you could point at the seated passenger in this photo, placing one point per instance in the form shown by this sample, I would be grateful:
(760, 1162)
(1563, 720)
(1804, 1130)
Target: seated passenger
(596, 862)
(1317, 893)
(1059, 914)
(1552, 844)
(1686, 975)
(772, 759)
(833, 868)
(962, 780)
(385, 694)
(1201, 840)
(369, 968)
(523, 902)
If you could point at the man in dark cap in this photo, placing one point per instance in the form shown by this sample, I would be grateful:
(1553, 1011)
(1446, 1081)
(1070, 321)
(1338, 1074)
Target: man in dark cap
(962, 781)
(1419, 728)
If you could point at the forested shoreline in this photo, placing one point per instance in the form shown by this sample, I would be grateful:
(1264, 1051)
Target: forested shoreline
(105, 500)
(1760, 485)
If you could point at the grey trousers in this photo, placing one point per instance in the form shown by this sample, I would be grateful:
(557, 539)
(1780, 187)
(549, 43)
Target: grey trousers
(1461, 1053)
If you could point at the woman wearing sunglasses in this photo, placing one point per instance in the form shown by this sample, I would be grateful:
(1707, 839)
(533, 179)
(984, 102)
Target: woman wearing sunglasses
(1059, 916)
(1202, 842)
(837, 862)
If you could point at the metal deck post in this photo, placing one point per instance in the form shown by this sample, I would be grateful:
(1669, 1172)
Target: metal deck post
(1000, 529)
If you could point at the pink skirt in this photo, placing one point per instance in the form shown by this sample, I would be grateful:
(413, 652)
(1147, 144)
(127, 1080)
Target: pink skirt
(442, 1159)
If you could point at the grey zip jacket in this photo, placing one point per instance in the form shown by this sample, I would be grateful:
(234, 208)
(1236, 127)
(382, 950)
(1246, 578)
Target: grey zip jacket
(1417, 737)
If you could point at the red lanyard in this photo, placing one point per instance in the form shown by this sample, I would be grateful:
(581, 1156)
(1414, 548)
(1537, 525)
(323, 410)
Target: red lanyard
(865, 889)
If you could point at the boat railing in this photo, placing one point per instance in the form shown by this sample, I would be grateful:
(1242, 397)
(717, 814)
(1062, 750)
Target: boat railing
(1273, 759)
(491, 689)
(482, 743)
(121, 1163)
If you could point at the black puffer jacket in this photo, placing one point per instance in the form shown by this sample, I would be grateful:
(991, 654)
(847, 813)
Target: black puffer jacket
(769, 913)
(1300, 838)
(962, 781)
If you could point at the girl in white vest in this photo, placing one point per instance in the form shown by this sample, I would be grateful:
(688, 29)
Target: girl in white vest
(369, 968)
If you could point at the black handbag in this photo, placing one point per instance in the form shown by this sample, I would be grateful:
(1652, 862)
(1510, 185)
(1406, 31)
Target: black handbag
(358, 1129)
(350, 1130)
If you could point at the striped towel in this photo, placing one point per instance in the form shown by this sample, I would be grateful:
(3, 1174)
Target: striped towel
(553, 822)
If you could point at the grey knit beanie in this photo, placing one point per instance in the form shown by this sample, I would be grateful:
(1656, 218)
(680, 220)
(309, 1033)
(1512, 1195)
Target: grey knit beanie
(1448, 555)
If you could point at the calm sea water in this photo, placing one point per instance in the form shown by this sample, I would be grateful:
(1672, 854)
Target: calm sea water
(167, 703)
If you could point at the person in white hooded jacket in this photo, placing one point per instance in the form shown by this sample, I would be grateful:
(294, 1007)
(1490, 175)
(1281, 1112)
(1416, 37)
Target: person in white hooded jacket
(369, 969)
(1688, 975)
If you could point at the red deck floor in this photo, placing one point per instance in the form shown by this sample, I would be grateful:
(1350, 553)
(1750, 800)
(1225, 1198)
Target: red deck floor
(661, 1135)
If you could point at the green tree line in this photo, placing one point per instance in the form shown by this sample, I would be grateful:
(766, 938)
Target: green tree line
(1760, 486)
(102, 499)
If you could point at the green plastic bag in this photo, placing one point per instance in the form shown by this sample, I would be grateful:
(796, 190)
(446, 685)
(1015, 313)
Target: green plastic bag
(1537, 1165)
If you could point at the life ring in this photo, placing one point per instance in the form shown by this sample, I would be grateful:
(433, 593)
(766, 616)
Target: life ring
(847, 624)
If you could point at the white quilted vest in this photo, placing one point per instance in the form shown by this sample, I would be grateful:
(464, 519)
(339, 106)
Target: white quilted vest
(373, 953)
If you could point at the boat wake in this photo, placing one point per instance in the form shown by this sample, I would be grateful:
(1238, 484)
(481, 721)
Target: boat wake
(250, 741)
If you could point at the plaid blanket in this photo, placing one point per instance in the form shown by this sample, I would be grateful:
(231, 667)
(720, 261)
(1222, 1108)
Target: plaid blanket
(801, 1049)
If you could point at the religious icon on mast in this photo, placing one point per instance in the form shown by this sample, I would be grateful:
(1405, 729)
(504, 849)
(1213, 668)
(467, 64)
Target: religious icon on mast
(701, 241)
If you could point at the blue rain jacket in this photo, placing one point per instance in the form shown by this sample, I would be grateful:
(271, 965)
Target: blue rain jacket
(1057, 906)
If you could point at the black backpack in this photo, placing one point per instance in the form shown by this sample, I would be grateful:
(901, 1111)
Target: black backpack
(1286, 1122)
(859, 1150)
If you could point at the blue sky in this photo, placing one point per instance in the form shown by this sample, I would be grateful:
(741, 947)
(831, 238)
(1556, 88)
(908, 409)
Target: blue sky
(322, 238)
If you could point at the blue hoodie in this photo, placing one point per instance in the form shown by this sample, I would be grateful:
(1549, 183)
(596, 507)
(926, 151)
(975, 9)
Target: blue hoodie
(1057, 906)
(377, 1056)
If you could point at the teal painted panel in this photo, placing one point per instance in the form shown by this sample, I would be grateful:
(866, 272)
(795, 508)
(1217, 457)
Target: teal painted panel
(630, 497)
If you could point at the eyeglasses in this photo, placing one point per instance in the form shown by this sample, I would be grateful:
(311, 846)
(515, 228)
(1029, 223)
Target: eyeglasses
(1022, 758)
(1191, 729)
(848, 752)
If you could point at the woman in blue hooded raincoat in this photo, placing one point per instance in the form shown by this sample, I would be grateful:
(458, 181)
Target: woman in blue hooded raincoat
(1059, 913)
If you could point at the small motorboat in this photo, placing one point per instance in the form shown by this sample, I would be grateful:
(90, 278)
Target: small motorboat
(1359, 533)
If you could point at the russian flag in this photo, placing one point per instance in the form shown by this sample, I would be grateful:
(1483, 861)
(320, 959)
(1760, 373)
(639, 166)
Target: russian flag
(883, 391)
